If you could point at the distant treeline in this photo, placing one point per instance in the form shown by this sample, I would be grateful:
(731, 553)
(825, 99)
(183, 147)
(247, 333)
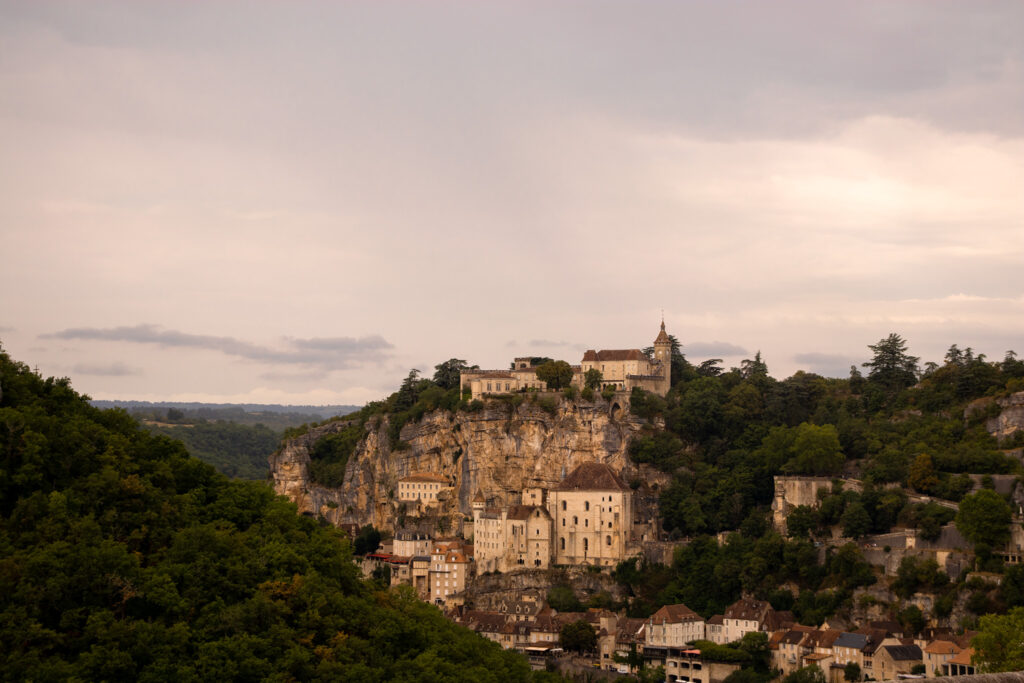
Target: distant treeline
(321, 411)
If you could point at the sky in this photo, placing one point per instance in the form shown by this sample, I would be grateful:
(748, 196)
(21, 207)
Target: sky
(298, 202)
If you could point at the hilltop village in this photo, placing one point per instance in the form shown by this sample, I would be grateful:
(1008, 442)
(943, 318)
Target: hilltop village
(513, 543)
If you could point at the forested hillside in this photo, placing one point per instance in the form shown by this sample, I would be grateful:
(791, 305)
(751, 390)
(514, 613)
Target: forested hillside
(122, 557)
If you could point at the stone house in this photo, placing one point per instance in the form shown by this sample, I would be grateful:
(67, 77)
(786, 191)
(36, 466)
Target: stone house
(449, 572)
(892, 660)
(674, 626)
(937, 654)
(424, 488)
(593, 514)
(411, 543)
(849, 647)
(715, 629)
(744, 616)
(511, 537)
(960, 664)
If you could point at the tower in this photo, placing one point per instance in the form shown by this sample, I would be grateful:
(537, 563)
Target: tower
(663, 354)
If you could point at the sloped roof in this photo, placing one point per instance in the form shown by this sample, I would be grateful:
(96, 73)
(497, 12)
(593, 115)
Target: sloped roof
(963, 657)
(524, 511)
(662, 336)
(593, 476)
(747, 609)
(716, 620)
(614, 354)
(857, 641)
(674, 614)
(903, 653)
(424, 477)
(942, 647)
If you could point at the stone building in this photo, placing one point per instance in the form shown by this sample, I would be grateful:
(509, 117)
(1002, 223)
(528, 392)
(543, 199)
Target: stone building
(449, 570)
(423, 487)
(622, 369)
(511, 537)
(593, 514)
(674, 626)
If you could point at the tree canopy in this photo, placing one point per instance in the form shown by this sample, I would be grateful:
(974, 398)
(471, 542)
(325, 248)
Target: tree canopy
(557, 374)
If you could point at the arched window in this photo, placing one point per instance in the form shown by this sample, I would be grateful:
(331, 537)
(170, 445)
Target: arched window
(586, 505)
(563, 543)
(586, 544)
(563, 504)
(575, 519)
(607, 540)
(586, 522)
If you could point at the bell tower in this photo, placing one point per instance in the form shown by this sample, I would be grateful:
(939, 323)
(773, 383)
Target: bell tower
(663, 353)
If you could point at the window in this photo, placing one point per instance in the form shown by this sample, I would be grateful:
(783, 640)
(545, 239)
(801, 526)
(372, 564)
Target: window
(575, 519)
(586, 506)
(607, 540)
(563, 543)
(563, 521)
(563, 504)
(586, 544)
(586, 522)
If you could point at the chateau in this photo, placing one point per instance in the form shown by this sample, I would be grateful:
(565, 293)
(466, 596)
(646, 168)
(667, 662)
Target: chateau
(586, 519)
(621, 369)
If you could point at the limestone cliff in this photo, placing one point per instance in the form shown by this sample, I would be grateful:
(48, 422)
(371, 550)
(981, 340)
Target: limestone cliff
(498, 450)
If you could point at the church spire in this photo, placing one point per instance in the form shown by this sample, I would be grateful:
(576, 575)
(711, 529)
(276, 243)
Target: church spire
(662, 335)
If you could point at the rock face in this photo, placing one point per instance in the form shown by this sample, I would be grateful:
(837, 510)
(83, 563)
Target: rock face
(1010, 418)
(497, 450)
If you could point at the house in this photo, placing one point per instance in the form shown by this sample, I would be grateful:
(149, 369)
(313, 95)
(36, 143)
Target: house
(849, 647)
(630, 637)
(960, 664)
(715, 629)
(937, 654)
(423, 487)
(449, 571)
(892, 660)
(674, 626)
(592, 510)
(744, 616)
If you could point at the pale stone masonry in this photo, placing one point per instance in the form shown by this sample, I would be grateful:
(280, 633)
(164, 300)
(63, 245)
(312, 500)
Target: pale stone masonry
(674, 626)
(422, 487)
(621, 369)
(587, 519)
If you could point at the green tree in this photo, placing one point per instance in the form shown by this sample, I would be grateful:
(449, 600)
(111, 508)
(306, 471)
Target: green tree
(563, 599)
(922, 475)
(448, 374)
(802, 521)
(557, 374)
(807, 674)
(891, 366)
(855, 520)
(999, 645)
(367, 541)
(578, 636)
(592, 378)
(851, 672)
(984, 518)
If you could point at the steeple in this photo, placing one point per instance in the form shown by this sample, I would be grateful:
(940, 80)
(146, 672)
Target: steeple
(662, 337)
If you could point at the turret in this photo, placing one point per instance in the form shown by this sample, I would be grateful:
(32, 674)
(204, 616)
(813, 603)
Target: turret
(663, 354)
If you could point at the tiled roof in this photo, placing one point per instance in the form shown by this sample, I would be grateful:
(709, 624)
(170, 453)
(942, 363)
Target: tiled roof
(857, 641)
(614, 355)
(674, 614)
(424, 477)
(593, 476)
(662, 336)
(717, 620)
(747, 609)
(903, 653)
(963, 657)
(524, 511)
(942, 647)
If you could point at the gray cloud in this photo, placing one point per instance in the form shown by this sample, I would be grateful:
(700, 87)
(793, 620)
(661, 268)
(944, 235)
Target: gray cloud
(115, 369)
(714, 349)
(5, 328)
(827, 364)
(335, 352)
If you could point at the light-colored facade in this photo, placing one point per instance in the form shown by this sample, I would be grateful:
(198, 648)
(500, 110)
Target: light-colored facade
(674, 626)
(622, 369)
(743, 617)
(449, 570)
(511, 537)
(423, 487)
(593, 514)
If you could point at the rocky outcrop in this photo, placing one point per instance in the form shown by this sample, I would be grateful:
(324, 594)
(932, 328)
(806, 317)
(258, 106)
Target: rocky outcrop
(1010, 418)
(498, 450)
(487, 592)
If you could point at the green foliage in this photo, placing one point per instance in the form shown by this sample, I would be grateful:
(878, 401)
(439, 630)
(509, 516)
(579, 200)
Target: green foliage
(563, 599)
(805, 449)
(557, 374)
(999, 645)
(646, 405)
(122, 557)
(892, 368)
(237, 450)
(713, 652)
(578, 636)
(608, 392)
(549, 404)
(984, 518)
(587, 394)
(592, 379)
(570, 393)
(807, 674)
(366, 541)
(916, 574)
(448, 374)
(329, 455)
(851, 672)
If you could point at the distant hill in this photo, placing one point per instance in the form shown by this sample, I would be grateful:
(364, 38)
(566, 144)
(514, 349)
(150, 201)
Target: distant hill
(236, 438)
(322, 411)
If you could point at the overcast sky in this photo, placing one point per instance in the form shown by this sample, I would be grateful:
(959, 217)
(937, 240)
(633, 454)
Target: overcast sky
(298, 202)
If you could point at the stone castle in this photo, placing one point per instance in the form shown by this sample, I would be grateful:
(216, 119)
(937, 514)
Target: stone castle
(620, 369)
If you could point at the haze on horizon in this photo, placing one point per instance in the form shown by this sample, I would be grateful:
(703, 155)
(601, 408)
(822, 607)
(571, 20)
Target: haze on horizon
(296, 203)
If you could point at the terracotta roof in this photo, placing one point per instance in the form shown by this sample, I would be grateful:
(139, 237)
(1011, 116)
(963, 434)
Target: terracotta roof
(479, 497)
(674, 614)
(963, 657)
(593, 476)
(524, 511)
(424, 477)
(717, 620)
(747, 609)
(614, 354)
(775, 621)
(942, 647)
(891, 627)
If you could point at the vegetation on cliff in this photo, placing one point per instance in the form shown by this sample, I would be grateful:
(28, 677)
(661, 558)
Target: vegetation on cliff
(122, 557)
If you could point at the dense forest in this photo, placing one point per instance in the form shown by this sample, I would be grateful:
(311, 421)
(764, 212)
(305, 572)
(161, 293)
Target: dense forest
(122, 557)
